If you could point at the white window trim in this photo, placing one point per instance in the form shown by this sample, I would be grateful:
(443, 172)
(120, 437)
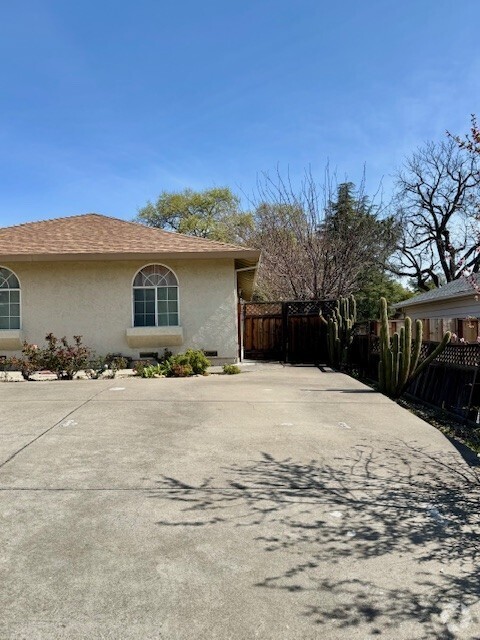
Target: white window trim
(19, 297)
(157, 264)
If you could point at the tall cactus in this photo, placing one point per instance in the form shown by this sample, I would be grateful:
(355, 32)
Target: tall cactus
(399, 356)
(340, 330)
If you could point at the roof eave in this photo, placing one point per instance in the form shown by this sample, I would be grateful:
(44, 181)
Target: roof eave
(246, 254)
(412, 301)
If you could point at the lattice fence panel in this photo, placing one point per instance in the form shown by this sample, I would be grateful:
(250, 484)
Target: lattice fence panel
(263, 309)
(375, 345)
(310, 307)
(460, 355)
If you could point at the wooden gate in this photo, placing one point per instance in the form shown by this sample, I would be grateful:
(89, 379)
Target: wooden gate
(293, 331)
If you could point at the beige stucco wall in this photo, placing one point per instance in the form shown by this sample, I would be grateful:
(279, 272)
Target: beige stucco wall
(94, 299)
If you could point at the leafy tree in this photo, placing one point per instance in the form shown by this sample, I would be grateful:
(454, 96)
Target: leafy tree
(357, 239)
(374, 284)
(212, 213)
(437, 206)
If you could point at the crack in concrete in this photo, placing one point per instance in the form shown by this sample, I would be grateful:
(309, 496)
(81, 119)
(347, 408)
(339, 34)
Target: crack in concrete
(28, 444)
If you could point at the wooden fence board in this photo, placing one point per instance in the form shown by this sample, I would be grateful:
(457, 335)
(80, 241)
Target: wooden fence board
(291, 331)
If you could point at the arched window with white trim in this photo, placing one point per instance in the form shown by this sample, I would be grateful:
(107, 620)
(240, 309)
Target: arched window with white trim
(155, 297)
(9, 300)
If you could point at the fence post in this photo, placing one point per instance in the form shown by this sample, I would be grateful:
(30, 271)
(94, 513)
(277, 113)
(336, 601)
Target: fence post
(285, 331)
(241, 328)
(474, 382)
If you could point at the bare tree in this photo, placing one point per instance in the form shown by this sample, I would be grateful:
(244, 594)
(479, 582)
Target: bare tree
(316, 240)
(437, 200)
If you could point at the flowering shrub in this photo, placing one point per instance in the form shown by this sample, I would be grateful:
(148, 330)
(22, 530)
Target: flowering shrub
(139, 367)
(28, 364)
(58, 356)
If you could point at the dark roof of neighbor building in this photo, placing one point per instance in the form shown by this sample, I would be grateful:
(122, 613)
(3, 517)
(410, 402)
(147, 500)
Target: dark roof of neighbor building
(457, 288)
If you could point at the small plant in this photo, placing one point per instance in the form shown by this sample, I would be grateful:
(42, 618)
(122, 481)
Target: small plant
(106, 367)
(167, 354)
(139, 367)
(179, 370)
(97, 368)
(114, 363)
(5, 365)
(231, 369)
(152, 371)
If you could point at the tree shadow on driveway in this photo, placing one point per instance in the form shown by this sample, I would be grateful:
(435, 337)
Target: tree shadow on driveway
(374, 539)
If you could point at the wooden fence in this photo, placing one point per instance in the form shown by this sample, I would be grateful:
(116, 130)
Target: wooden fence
(451, 381)
(290, 331)
(295, 331)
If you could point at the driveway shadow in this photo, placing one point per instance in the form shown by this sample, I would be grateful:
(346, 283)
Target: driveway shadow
(343, 390)
(403, 506)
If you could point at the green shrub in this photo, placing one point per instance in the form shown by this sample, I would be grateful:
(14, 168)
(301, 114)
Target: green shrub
(152, 370)
(231, 369)
(197, 360)
(181, 365)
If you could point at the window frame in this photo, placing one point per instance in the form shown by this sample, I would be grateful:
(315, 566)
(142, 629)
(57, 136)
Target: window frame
(155, 288)
(9, 289)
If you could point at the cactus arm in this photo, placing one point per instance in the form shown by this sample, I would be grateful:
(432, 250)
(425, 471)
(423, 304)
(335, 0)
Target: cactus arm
(406, 333)
(353, 303)
(386, 368)
(340, 330)
(418, 345)
(440, 347)
(388, 372)
(399, 362)
(395, 345)
(381, 374)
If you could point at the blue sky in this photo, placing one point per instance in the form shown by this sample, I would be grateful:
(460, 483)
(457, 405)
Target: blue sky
(105, 104)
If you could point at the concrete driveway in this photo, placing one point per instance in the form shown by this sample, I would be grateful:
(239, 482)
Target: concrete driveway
(282, 503)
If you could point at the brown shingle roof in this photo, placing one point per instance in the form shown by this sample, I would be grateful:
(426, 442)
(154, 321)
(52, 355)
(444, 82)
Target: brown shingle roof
(93, 235)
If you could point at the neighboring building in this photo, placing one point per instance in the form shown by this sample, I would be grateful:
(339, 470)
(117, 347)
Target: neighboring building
(126, 288)
(454, 307)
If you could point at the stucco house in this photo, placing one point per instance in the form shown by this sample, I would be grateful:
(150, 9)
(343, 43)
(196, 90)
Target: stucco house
(454, 307)
(126, 288)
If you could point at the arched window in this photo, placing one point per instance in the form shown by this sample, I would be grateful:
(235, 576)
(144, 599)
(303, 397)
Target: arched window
(155, 297)
(9, 300)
